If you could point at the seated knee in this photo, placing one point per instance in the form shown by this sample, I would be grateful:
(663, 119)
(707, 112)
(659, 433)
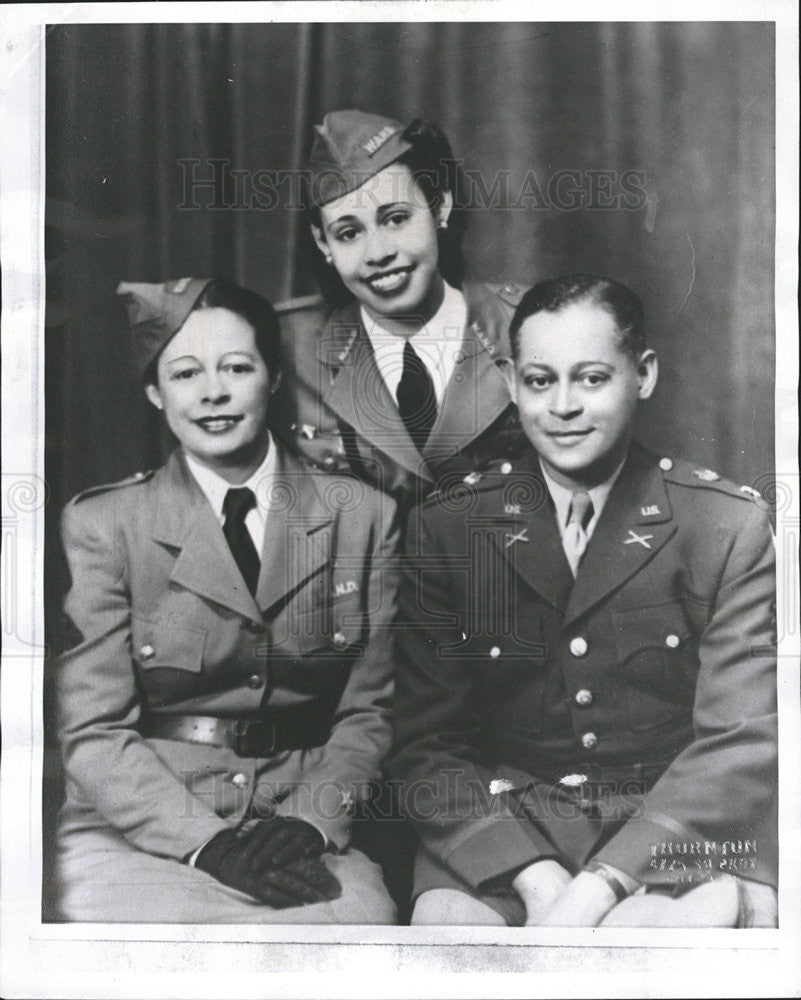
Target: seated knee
(450, 906)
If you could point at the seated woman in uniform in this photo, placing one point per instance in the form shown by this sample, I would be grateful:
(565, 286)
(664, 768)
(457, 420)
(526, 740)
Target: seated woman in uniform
(393, 373)
(585, 726)
(227, 699)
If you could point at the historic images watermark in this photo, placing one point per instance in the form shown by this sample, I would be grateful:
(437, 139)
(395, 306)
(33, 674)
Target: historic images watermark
(217, 184)
(448, 795)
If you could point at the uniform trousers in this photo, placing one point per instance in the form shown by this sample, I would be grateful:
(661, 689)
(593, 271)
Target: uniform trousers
(577, 832)
(102, 878)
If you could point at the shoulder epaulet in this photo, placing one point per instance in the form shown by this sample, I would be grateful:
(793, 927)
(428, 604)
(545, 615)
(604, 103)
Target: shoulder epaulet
(689, 474)
(298, 304)
(511, 293)
(489, 476)
(135, 480)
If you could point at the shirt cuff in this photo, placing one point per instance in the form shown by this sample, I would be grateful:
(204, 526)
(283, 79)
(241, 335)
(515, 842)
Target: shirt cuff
(194, 855)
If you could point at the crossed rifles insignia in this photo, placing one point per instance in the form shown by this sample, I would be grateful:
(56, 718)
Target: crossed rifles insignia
(640, 539)
(521, 536)
(518, 536)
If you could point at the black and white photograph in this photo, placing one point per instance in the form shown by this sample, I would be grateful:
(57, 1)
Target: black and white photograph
(400, 500)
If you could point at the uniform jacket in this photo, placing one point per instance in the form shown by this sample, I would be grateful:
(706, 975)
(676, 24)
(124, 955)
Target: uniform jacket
(334, 407)
(168, 626)
(660, 653)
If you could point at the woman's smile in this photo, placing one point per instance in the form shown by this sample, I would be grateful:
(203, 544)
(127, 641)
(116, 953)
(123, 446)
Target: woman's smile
(218, 424)
(390, 282)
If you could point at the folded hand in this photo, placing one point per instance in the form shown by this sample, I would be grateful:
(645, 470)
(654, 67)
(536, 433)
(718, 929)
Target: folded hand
(277, 861)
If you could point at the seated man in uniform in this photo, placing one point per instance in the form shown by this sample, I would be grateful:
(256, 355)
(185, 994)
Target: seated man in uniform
(585, 697)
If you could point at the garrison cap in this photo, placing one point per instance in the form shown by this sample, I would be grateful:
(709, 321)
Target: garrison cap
(157, 312)
(349, 148)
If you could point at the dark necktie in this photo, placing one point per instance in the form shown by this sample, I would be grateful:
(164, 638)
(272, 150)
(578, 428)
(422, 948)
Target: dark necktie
(417, 401)
(236, 505)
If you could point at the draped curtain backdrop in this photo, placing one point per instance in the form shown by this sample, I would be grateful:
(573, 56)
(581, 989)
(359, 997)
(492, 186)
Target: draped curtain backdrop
(170, 151)
(643, 151)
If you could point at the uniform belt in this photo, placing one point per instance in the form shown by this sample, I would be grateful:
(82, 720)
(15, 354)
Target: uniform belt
(292, 729)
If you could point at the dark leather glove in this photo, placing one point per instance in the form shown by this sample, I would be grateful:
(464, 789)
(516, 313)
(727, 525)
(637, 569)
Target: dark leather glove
(246, 861)
(282, 840)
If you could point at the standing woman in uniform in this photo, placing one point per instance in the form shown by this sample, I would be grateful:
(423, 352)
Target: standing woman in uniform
(393, 373)
(227, 696)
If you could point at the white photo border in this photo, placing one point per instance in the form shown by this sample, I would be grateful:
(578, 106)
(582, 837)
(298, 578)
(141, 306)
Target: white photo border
(134, 960)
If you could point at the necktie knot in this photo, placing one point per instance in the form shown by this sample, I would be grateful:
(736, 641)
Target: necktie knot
(238, 503)
(411, 359)
(581, 510)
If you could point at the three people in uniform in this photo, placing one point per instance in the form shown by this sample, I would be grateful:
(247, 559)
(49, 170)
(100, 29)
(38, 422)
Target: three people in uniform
(583, 658)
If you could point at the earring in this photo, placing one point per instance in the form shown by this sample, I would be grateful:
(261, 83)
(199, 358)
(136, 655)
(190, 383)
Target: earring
(443, 224)
(329, 259)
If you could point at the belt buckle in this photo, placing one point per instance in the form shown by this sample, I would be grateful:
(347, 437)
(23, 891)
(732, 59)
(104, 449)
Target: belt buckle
(247, 737)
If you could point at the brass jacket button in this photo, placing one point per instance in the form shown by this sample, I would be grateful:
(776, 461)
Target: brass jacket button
(578, 646)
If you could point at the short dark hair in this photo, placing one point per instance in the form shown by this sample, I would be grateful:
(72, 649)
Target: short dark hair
(554, 294)
(251, 307)
(436, 172)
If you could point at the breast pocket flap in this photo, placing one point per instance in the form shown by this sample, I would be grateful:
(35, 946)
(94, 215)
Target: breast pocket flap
(332, 626)
(160, 644)
(664, 627)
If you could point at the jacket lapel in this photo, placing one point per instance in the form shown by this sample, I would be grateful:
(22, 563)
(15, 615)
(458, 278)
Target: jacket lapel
(528, 537)
(296, 545)
(204, 564)
(359, 396)
(636, 522)
(475, 396)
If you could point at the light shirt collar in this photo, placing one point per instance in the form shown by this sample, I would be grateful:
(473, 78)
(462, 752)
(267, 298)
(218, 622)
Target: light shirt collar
(215, 487)
(563, 497)
(437, 343)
